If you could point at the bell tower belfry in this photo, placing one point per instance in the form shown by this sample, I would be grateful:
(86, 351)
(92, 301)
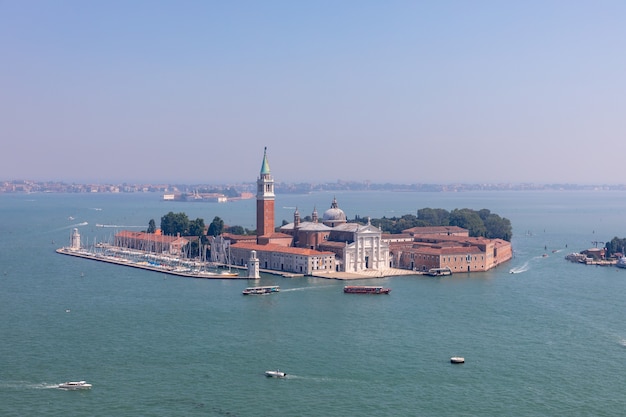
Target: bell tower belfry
(264, 202)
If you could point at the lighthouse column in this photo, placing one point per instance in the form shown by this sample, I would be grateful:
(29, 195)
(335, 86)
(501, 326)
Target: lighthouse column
(253, 266)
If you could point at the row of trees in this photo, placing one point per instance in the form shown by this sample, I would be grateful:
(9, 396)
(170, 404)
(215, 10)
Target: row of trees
(175, 224)
(479, 223)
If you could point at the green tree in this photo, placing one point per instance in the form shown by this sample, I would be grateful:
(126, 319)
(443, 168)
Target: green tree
(151, 226)
(236, 230)
(498, 227)
(468, 219)
(216, 227)
(407, 221)
(479, 223)
(434, 217)
(616, 245)
(173, 224)
(196, 227)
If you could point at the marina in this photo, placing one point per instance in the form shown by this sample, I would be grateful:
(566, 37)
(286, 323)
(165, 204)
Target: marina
(170, 266)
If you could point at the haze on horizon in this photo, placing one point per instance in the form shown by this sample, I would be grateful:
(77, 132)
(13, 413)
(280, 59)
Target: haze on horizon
(394, 91)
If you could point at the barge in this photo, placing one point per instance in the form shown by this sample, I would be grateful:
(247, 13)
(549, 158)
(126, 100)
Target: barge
(362, 289)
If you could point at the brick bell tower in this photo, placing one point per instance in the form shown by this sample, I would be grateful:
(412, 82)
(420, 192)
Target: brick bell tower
(264, 203)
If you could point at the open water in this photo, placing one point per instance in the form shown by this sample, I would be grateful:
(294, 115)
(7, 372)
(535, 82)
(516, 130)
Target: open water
(549, 340)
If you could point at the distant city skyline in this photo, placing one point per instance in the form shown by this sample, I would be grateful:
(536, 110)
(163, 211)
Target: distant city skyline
(209, 192)
(400, 92)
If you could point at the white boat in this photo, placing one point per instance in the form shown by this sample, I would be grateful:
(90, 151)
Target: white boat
(439, 272)
(223, 274)
(275, 374)
(621, 262)
(261, 290)
(75, 385)
(228, 273)
(457, 359)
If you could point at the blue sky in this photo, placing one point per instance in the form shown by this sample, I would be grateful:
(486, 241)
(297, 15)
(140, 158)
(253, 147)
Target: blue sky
(385, 91)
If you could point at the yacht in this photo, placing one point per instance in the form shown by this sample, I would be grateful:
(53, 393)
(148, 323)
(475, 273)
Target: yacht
(621, 262)
(75, 385)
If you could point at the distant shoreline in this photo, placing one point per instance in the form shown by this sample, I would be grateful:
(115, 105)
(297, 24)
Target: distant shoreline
(234, 191)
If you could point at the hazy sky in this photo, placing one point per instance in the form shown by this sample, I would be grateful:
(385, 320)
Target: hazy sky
(386, 91)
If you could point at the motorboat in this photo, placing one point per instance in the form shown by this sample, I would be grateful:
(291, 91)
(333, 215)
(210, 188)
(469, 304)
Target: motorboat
(275, 374)
(261, 290)
(621, 262)
(75, 385)
(457, 359)
(439, 272)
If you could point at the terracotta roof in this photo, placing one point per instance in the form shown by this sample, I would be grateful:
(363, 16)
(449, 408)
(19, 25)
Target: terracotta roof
(459, 239)
(435, 230)
(396, 235)
(239, 238)
(331, 244)
(278, 235)
(129, 234)
(271, 247)
(456, 250)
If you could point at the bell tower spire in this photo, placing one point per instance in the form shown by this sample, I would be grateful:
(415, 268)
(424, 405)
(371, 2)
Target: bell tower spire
(264, 202)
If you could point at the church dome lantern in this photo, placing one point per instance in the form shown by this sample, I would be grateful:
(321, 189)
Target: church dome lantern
(334, 215)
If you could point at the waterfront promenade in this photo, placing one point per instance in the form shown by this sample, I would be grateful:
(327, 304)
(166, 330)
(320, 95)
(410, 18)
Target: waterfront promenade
(388, 272)
(190, 269)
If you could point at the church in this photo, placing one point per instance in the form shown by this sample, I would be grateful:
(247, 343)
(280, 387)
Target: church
(304, 247)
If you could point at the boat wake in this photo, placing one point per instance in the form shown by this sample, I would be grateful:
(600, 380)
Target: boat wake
(520, 269)
(69, 227)
(27, 385)
(306, 288)
(116, 226)
(320, 379)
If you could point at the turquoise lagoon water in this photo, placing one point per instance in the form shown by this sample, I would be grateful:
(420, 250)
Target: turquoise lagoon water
(549, 340)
